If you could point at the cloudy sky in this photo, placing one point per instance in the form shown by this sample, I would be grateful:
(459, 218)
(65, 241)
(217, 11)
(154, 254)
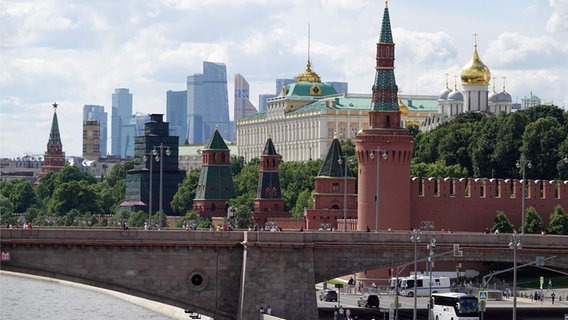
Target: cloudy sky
(76, 52)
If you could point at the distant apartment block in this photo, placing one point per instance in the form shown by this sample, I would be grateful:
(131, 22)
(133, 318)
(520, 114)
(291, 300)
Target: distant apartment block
(91, 140)
(96, 112)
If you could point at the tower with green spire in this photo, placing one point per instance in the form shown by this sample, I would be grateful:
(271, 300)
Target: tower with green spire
(215, 187)
(384, 149)
(54, 157)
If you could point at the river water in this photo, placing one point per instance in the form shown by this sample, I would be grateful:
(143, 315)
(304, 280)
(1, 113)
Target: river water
(24, 297)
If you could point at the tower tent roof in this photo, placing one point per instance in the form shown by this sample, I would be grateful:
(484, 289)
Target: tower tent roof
(216, 142)
(331, 166)
(54, 135)
(269, 148)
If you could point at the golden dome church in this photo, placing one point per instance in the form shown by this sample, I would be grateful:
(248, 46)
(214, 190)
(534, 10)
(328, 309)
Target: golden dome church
(475, 78)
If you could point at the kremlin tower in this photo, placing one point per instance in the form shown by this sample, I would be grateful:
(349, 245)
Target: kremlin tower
(384, 149)
(54, 157)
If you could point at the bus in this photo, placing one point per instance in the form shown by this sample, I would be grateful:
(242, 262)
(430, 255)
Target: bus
(454, 306)
(406, 285)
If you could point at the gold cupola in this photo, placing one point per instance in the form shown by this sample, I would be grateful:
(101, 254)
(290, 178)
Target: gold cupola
(475, 72)
(402, 107)
(308, 75)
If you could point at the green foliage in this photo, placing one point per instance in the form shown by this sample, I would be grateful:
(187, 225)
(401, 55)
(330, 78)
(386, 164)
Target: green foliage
(304, 201)
(296, 177)
(6, 210)
(413, 130)
(183, 199)
(488, 147)
(348, 147)
(438, 169)
(74, 195)
(558, 221)
(533, 222)
(237, 164)
(502, 223)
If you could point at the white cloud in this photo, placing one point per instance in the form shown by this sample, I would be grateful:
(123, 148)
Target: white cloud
(558, 21)
(78, 52)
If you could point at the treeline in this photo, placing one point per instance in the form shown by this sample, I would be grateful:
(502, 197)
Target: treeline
(471, 145)
(481, 146)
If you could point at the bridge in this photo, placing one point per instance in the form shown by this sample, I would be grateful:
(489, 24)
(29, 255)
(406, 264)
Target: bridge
(229, 275)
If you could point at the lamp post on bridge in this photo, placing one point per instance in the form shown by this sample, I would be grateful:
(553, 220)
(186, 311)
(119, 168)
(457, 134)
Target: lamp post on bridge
(430, 247)
(515, 244)
(343, 160)
(415, 238)
(378, 156)
(151, 155)
(523, 164)
(160, 159)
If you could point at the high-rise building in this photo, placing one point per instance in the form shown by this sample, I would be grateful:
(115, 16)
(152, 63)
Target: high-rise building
(131, 130)
(281, 83)
(208, 103)
(96, 112)
(340, 87)
(176, 114)
(91, 140)
(243, 106)
(121, 114)
(263, 101)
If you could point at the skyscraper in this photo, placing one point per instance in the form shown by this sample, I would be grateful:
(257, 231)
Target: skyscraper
(243, 106)
(121, 114)
(208, 103)
(176, 114)
(96, 112)
(130, 130)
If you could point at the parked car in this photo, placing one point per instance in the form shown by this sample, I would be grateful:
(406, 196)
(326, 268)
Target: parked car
(368, 301)
(328, 295)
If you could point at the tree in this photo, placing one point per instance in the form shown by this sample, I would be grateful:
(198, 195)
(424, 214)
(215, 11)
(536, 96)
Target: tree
(6, 210)
(540, 145)
(558, 221)
(305, 200)
(77, 195)
(183, 199)
(533, 222)
(502, 223)
(23, 196)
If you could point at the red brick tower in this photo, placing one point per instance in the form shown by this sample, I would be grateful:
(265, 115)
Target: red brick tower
(269, 202)
(385, 145)
(54, 157)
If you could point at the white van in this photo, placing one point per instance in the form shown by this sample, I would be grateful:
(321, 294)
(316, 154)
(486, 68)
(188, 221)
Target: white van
(407, 287)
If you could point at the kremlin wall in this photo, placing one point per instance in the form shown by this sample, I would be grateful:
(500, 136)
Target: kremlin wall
(472, 204)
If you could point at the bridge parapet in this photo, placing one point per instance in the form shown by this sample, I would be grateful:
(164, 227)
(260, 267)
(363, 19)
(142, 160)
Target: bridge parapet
(229, 275)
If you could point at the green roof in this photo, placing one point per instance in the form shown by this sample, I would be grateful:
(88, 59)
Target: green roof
(216, 142)
(310, 89)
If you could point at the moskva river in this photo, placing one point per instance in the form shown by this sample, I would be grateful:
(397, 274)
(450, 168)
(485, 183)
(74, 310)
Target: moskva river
(25, 297)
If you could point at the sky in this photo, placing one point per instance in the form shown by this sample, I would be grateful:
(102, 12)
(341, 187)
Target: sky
(76, 52)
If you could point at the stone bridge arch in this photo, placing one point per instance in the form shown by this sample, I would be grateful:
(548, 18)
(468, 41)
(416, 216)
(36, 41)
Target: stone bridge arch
(229, 275)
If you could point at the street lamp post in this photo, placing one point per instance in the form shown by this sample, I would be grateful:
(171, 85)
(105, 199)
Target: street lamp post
(385, 156)
(523, 163)
(161, 160)
(515, 244)
(430, 247)
(415, 238)
(343, 159)
(150, 192)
